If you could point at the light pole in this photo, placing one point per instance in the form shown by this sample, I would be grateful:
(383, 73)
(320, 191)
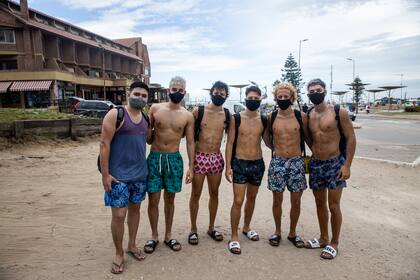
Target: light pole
(401, 88)
(354, 74)
(300, 50)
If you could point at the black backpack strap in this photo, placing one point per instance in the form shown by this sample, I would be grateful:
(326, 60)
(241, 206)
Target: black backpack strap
(227, 119)
(298, 116)
(237, 118)
(146, 117)
(270, 130)
(197, 125)
(309, 111)
(120, 116)
(264, 122)
(340, 129)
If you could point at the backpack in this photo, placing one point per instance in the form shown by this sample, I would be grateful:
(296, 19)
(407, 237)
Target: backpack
(197, 124)
(298, 117)
(343, 143)
(237, 118)
(120, 118)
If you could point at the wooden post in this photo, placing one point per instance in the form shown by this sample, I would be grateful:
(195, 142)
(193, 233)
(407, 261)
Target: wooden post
(72, 129)
(22, 99)
(18, 129)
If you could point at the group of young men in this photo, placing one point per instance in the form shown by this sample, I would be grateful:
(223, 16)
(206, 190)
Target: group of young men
(127, 175)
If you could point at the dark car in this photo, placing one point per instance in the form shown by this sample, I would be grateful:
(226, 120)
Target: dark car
(94, 108)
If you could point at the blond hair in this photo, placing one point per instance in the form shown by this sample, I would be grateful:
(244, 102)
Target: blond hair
(177, 80)
(288, 86)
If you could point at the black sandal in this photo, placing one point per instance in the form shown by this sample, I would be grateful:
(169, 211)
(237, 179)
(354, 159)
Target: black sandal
(274, 240)
(215, 235)
(193, 238)
(172, 243)
(297, 241)
(150, 246)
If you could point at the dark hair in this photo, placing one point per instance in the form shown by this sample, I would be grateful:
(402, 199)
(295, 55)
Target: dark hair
(315, 82)
(253, 88)
(220, 85)
(139, 84)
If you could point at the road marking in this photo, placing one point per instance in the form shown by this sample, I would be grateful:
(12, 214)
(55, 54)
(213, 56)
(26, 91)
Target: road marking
(400, 163)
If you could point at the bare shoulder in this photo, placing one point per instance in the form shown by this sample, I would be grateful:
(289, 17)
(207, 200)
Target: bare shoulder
(187, 114)
(111, 115)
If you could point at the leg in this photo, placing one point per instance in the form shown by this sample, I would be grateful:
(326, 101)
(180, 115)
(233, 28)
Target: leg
(213, 182)
(235, 212)
(133, 219)
(277, 203)
(322, 213)
(197, 187)
(117, 230)
(295, 198)
(334, 197)
(169, 199)
(251, 195)
(153, 211)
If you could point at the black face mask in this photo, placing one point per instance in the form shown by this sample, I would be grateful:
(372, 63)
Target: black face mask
(217, 100)
(176, 97)
(252, 105)
(317, 97)
(284, 103)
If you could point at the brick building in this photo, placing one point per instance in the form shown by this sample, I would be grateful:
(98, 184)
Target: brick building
(44, 59)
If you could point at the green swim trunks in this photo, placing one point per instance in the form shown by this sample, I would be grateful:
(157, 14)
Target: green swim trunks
(165, 172)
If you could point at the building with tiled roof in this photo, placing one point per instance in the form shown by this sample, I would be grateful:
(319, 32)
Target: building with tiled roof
(44, 60)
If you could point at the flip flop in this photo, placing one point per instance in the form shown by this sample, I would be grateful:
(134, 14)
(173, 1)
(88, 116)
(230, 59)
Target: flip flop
(117, 268)
(252, 235)
(215, 235)
(314, 244)
(150, 246)
(137, 255)
(234, 247)
(297, 241)
(193, 238)
(275, 240)
(172, 243)
(329, 253)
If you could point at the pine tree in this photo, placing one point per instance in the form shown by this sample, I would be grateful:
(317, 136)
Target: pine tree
(358, 88)
(291, 73)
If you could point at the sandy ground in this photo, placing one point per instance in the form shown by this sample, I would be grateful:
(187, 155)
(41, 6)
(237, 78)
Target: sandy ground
(53, 225)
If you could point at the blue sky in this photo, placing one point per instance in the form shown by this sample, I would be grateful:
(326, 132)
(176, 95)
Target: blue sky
(237, 41)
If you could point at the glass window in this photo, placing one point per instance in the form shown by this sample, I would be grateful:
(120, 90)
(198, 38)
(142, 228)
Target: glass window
(7, 36)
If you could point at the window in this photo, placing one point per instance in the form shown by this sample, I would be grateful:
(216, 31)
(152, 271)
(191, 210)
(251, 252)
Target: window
(7, 36)
(8, 64)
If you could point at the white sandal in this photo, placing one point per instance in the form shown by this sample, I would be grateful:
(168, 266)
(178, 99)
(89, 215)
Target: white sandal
(234, 245)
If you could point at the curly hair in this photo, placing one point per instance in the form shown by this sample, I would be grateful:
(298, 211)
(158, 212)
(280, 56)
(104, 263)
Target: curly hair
(220, 85)
(288, 86)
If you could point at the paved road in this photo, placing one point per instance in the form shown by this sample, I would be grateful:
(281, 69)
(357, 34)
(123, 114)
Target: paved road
(390, 139)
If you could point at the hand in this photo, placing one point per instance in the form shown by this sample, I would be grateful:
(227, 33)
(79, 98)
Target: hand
(228, 174)
(107, 182)
(344, 173)
(190, 175)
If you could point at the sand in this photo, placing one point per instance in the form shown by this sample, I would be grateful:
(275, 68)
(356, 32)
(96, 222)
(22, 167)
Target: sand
(53, 225)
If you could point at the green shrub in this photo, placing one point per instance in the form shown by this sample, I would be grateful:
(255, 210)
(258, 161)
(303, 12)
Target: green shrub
(412, 109)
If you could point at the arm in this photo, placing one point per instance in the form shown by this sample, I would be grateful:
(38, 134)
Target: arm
(229, 147)
(150, 130)
(348, 131)
(266, 135)
(108, 131)
(189, 132)
(308, 138)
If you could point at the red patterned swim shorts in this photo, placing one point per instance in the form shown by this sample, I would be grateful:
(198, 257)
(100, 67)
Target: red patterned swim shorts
(208, 163)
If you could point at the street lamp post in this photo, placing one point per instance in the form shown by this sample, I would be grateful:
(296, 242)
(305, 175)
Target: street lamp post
(354, 72)
(401, 88)
(300, 50)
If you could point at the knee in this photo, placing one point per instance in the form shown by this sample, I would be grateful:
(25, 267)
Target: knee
(195, 197)
(320, 202)
(295, 204)
(118, 217)
(334, 208)
(251, 197)
(277, 202)
(214, 194)
(237, 202)
(169, 200)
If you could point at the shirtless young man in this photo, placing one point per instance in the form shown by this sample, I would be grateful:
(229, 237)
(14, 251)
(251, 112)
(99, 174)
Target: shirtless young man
(247, 166)
(170, 122)
(287, 167)
(329, 167)
(208, 161)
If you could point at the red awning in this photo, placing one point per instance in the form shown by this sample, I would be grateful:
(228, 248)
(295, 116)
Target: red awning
(4, 86)
(30, 85)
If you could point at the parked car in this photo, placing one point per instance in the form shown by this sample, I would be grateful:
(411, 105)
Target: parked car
(352, 114)
(94, 108)
(234, 106)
